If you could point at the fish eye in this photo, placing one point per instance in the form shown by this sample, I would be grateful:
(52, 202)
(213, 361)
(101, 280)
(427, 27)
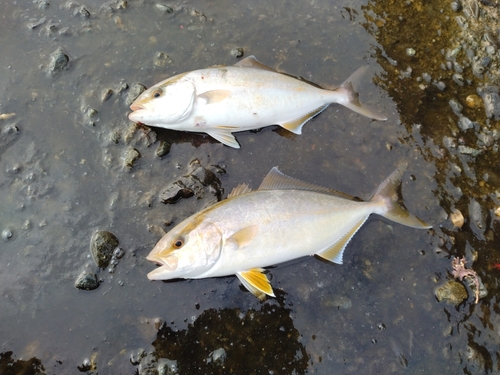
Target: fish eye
(178, 243)
(156, 93)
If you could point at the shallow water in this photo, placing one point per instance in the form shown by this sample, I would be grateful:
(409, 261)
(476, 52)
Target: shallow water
(63, 177)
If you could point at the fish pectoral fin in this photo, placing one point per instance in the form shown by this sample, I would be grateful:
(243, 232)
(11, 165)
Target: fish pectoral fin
(224, 136)
(244, 236)
(252, 62)
(256, 282)
(295, 126)
(239, 190)
(214, 96)
(335, 253)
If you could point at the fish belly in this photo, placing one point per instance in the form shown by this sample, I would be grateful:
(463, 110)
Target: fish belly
(256, 98)
(288, 225)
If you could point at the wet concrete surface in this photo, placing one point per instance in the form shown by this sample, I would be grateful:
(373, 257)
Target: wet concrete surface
(72, 164)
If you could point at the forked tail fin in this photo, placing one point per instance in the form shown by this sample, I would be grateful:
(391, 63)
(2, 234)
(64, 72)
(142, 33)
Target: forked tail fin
(389, 192)
(350, 97)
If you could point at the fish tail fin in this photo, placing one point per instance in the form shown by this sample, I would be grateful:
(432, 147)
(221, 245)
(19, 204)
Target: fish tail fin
(350, 98)
(389, 194)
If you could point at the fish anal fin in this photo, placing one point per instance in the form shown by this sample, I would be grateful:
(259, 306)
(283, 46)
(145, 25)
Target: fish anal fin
(224, 136)
(256, 282)
(295, 126)
(335, 253)
(244, 236)
(275, 180)
(239, 190)
(214, 96)
(252, 62)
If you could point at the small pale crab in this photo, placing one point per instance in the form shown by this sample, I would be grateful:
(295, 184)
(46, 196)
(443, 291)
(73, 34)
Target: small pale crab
(459, 272)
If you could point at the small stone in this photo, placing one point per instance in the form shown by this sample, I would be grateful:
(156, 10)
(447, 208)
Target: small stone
(468, 150)
(456, 107)
(237, 52)
(131, 156)
(452, 292)
(410, 52)
(106, 94)
(497, 212)
(164, 8)
(465, 123)
(102, 246)
(163, 149)
(457, 218)
(87, 281)
(58, 61)
(7, 234)
(474, 101)
(136, 89)
(161, 59)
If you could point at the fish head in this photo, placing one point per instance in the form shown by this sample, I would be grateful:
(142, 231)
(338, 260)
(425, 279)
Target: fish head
(165, 104)
(187, 251)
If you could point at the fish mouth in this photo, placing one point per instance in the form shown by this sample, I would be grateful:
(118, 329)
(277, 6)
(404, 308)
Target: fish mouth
(136, 107)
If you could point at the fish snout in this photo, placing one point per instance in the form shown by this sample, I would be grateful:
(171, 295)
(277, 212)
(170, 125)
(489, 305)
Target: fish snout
(136, 107)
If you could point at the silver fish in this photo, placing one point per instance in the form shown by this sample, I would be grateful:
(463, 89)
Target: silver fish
(249, 95)
(284, 219)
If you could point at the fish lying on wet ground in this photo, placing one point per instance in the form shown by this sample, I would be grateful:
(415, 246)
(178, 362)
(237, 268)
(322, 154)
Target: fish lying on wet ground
(249, 95)
(283, 220)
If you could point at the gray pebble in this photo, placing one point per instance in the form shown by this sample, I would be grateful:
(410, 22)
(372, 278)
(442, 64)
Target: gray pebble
(87, 281)
(163, 149)
(456, 107)
(131, 156)
(237, 52)
(464, 123)
(161, 59)
(136, 89)
(458, 79)
(58, 61)
(451, 292)
(456, 6)
(7, 234)
(102, 246)
(468, 150)
(106, 94)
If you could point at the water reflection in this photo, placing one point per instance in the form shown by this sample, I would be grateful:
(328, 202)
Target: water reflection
(443, 80)
(230, 341)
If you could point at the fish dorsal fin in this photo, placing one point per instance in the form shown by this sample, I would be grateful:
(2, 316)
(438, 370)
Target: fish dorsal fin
(214, 96)
(275, 180)
(252, 62)
(295, 126)
(224, 136)
(256, 282)
(243, 237)
(240, 189)
(335, 253)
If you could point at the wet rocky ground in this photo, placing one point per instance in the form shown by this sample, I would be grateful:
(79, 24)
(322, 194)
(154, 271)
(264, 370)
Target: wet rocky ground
(86, 193)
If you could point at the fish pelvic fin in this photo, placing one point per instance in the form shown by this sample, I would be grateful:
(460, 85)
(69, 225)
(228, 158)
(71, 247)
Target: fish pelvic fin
(335, 252)
(256, 282)
(295, 126)
(350, 98)
(223, 135)
(389, 194)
